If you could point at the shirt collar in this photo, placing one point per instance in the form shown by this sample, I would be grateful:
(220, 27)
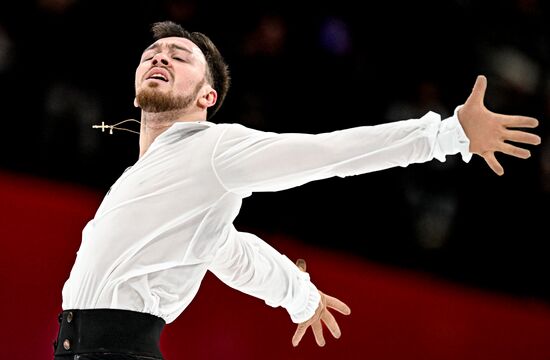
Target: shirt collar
(183, 127)
(180, 124)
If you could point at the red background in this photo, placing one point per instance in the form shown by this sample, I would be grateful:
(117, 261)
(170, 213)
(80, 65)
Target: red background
(396, 314)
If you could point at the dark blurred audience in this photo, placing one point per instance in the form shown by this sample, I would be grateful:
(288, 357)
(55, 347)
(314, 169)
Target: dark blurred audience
(68, 64)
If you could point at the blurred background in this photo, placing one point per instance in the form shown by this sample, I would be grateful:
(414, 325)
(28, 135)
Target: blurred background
(430, 234)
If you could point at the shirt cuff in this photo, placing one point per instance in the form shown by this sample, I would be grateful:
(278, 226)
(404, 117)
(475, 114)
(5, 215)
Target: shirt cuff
(306, 308)
(452, 139)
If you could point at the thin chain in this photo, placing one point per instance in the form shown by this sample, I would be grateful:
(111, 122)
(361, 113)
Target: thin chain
(114, 127)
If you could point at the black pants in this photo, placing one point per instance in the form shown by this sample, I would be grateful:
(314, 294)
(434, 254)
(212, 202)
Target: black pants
(104, 356)
(108, 334)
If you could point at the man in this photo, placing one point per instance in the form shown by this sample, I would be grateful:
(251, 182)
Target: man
(168, 218)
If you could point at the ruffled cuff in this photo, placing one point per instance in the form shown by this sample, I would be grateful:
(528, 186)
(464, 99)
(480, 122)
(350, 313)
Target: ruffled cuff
(305, 309)
(452, 139)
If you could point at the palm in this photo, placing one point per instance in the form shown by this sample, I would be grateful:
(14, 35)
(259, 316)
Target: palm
(490, 132)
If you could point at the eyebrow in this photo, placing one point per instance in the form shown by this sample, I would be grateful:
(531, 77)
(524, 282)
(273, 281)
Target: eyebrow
(170, 46)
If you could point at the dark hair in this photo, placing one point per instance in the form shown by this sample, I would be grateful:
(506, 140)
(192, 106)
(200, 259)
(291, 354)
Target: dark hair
(217, 72)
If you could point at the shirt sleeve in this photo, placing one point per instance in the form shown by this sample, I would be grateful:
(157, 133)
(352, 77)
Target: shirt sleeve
(248, 160)
(248, 264)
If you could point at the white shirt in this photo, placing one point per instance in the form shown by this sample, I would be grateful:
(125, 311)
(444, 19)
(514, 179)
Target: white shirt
(169, 217)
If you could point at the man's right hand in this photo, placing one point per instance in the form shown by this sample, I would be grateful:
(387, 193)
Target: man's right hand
(321, 315)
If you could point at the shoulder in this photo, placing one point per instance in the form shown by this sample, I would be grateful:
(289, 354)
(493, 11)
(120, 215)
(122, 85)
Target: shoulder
(235, 130)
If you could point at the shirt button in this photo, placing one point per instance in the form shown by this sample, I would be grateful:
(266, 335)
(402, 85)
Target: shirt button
(70, 317)
(66, 344)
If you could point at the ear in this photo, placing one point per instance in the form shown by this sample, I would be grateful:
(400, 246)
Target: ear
(135, 102)
(208, 99)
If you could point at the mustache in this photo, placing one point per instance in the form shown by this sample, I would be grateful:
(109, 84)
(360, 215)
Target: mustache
(158, 67)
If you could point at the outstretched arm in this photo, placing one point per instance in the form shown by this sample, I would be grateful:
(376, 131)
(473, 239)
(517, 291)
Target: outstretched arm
(248, 264)
(247, 160)
(490, 132)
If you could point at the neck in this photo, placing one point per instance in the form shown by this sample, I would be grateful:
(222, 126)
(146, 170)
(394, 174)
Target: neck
(154, 124)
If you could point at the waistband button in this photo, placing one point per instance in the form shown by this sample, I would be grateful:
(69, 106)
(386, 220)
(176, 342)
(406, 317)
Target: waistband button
(70, 317)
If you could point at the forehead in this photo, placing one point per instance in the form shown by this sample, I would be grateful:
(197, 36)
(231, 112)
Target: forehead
(178, 43)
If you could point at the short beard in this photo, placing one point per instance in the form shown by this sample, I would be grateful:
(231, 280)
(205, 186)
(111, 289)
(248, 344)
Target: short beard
(155, 101)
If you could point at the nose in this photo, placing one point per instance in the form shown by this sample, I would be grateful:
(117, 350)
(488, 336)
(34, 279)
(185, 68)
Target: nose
(160, 57)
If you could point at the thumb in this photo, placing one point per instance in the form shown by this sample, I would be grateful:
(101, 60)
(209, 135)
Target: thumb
(301, 263)
(478, 91)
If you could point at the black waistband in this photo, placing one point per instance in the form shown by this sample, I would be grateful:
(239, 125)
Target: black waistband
(108, 330)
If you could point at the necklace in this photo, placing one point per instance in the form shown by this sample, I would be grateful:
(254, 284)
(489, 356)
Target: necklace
(103, 127)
